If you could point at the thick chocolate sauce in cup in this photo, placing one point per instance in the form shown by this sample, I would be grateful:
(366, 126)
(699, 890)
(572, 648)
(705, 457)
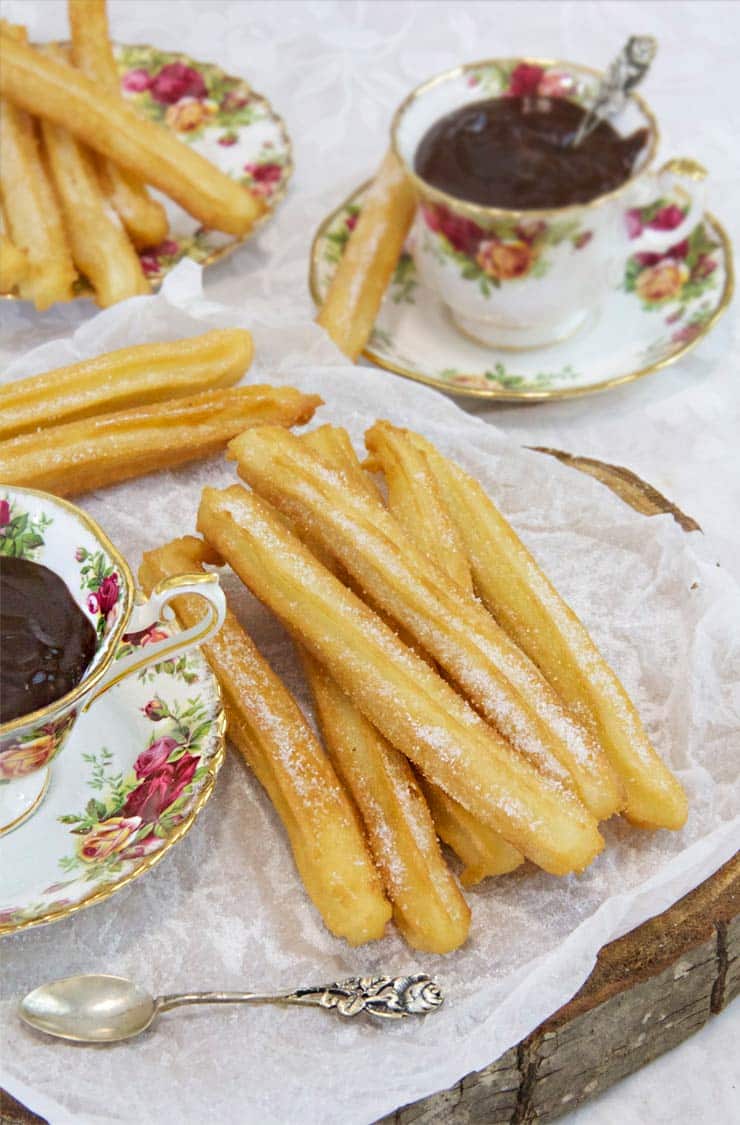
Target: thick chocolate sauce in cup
(515, 153)
(46, 642)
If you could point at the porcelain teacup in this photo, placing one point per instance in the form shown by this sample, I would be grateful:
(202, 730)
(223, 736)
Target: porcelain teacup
(40, 527)
(530, 278)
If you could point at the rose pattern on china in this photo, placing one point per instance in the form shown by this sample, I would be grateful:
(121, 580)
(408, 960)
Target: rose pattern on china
(21, 534)
(522, 79)
(506, 250)
(680, 274)
(131, 814)
(23, 754)
(104, 585)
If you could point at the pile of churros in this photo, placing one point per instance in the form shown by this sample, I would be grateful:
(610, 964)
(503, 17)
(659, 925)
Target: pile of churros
(458, 697)
(76, 159)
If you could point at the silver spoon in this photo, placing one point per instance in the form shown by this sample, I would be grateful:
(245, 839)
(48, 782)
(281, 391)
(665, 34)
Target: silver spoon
(624, 73)
(104, 1009)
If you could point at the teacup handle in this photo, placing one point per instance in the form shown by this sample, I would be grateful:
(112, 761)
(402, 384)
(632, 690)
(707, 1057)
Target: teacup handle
(149, 612)
(671, 180)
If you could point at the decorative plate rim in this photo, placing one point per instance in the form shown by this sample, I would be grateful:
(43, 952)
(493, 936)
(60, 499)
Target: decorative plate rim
(150, 861)
(528, 395)
(220, 252)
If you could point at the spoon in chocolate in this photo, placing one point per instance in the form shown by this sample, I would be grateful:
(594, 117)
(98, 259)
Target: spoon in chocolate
(105, 1009)
(624, 73)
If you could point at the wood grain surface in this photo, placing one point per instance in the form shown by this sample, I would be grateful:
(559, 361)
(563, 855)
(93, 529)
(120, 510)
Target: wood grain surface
(649, 990)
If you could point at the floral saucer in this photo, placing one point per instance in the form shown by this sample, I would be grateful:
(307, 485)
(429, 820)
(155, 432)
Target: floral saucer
(137, 769)
(660, 307)
(225, 120)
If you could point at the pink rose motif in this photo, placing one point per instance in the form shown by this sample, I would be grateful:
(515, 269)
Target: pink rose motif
(686, 334)
(108, 593)
(80, 554)
(92, 603)
(265, 177)
(4, 513)
(463, 234)
(149, 264)
(152, 635)
(680, 250)
(228, 139)
(473, 80)
(107, 838)
(175, 81)
(155, 756)
(646, 258)
(351, 222)
(134, 81)
(705, 266)
(555, 84)
(668, 218)
(141, 847)
(159, 789)
(233, 100)
(525, 80)
(530, 229)
(633, 219)
(155, 710)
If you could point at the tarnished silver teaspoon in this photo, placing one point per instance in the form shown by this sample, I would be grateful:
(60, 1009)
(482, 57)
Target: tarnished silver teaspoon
(624, 73)
(105, 1009)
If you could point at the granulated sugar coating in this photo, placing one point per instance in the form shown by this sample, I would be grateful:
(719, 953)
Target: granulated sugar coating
(224, 909)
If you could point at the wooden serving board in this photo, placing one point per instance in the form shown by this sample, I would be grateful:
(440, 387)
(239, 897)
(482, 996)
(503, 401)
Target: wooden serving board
(649, 990)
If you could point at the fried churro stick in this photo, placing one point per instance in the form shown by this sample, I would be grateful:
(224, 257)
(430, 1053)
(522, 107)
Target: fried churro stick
(467, 643)
(369, 259)
(13, 264)
(110, 126)
(96, 452)
(428, 908)
(529, 608)
(413, 707)
(270, 732)
(416, 501)
(143, 217)
(482, 851)
(31, 208)
(129, 377)
(100, 247)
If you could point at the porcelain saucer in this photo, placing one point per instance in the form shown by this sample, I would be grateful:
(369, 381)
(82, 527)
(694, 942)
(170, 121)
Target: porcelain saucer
(655, 313)
(136, 771)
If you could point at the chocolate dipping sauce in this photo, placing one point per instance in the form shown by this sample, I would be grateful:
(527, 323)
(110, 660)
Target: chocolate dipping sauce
(46, 642)
(513, 152)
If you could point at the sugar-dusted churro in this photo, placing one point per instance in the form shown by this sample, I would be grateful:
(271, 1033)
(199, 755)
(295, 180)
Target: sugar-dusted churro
(466, 642)
(416, 501)
(13, 264)
(270, 732)
(144, 218)
(412, 706)
(31, 208)
(108, 448)
(100, 247)
(481, 849)
(428, 908)
(529, 608)
(107, 124)
(126, 378)
(370, 257)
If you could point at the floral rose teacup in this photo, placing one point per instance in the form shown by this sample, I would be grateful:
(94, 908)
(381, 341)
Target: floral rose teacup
(530, 278)
(44, 529)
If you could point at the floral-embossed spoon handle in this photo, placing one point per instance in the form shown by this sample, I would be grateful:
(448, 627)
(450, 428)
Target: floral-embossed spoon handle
(624, 73)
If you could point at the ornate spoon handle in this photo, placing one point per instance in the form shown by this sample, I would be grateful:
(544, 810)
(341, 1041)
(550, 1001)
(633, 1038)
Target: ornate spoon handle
(628, 68)
(390, 998)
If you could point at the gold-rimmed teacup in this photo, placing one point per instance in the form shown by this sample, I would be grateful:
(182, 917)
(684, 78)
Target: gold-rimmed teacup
(41, 527)
(529, 278)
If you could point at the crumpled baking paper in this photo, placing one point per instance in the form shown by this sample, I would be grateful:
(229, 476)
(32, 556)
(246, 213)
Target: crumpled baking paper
(225, 909)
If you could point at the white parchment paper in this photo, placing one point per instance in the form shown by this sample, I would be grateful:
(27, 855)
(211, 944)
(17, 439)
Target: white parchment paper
(225, 908)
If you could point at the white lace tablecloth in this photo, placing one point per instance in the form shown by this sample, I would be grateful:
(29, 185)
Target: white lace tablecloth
(335, 71)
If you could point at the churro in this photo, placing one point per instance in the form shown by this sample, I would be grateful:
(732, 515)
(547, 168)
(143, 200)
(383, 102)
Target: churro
(527, 605)
(428, 908)
(125, 378)
(13, 264)
(108, 448)
(107, 124)
(370, 257)
(482, 851)
(412, 706)
(100, 247)
(31, 208)
(467, 643)
(270, 732)
(144, 218)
